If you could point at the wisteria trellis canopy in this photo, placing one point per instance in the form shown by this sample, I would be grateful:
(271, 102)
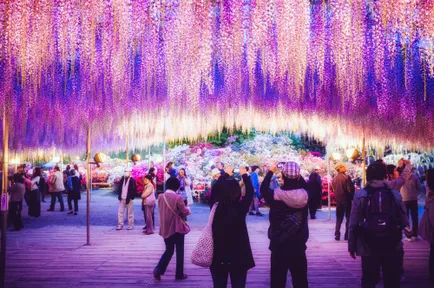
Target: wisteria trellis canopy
(170, 69)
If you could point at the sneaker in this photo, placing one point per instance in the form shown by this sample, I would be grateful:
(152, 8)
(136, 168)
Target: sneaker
(70, 212)
(144, 228)
(119, 228)
(130, 228)
(312, 217)
(338, 238)
(148, 233)
(75, 213)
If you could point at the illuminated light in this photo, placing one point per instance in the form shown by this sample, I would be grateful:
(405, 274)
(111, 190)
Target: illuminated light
(352, 153)
(55, 159)
(336, 156)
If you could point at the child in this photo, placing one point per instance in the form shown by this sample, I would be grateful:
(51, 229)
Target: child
(16, 192)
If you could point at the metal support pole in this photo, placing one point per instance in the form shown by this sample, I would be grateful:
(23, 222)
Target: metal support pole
(126, 151)
(88, 187)
(149, 157)
(328, 187)
(164, 164)
(364, 162)
(4, 198)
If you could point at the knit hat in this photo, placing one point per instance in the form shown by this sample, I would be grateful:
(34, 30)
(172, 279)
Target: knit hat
(291, 170)
(215, 171)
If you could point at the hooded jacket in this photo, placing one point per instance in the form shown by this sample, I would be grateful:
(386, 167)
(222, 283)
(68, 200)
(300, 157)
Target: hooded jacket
(289, 199)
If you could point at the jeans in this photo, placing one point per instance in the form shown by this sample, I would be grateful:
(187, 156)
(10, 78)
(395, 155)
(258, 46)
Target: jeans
(294, 260)
(15, 213)
(255, 205)
(431, 262)
(58, 195)
(149, 212)
(70, 204)
(177, 240)
(220, 275)
(412, 208)
(390, 266)
(122, 206)
(342, 209)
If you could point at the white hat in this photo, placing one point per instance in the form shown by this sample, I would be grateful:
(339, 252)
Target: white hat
(215, 171)
(316, 167)
(128, 169)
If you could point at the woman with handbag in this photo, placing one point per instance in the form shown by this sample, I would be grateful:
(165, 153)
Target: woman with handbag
(232, 252)
(426, 226)
(172, 228)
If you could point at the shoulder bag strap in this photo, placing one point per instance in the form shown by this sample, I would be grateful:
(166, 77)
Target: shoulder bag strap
(173, 211)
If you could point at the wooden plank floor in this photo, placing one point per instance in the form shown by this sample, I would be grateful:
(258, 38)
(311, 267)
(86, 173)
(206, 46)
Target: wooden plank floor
(55, 256)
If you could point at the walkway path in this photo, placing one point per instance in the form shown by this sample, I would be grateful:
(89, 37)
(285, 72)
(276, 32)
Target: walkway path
(50, 252)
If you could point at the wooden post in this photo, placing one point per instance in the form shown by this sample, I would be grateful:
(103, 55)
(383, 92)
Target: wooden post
(4, 198)
(364, 162)
(88, 187)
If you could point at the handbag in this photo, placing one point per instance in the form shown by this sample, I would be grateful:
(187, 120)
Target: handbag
(186, 226)
(203, 252)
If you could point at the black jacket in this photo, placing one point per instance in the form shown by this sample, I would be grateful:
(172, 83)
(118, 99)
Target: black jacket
(231, 239)
(279, 210)
(315, 186)
(132, 189)
(75, 192)
(216, 189)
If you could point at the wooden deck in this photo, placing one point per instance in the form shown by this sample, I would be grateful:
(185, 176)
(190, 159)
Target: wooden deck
(55, 256)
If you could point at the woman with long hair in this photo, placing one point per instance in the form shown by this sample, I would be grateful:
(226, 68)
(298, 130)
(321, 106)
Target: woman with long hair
(184, 189)
(232, 252)
(35, 196)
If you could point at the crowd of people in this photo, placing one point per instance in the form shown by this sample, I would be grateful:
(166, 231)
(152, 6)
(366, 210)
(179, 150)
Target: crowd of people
(377, 215)
(32, 187)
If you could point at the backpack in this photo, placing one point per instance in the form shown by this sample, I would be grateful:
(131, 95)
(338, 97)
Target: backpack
(380, 225)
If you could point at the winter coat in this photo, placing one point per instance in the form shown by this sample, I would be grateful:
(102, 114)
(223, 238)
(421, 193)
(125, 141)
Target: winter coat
(411, 188)
(132, 189)
(74, 187)
(343, 189)
(355, 243)
(231, 238)
(289, 199)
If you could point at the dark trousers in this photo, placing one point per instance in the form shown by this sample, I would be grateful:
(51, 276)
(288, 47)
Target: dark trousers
(34, 203)
(58, 195)
(342, 209)
(70, 199)
(295, 261)
(314, 202)
(412, 209)
(177, 240)
(220, 275)
(390, 266)
(431, 262)
(15, 214)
